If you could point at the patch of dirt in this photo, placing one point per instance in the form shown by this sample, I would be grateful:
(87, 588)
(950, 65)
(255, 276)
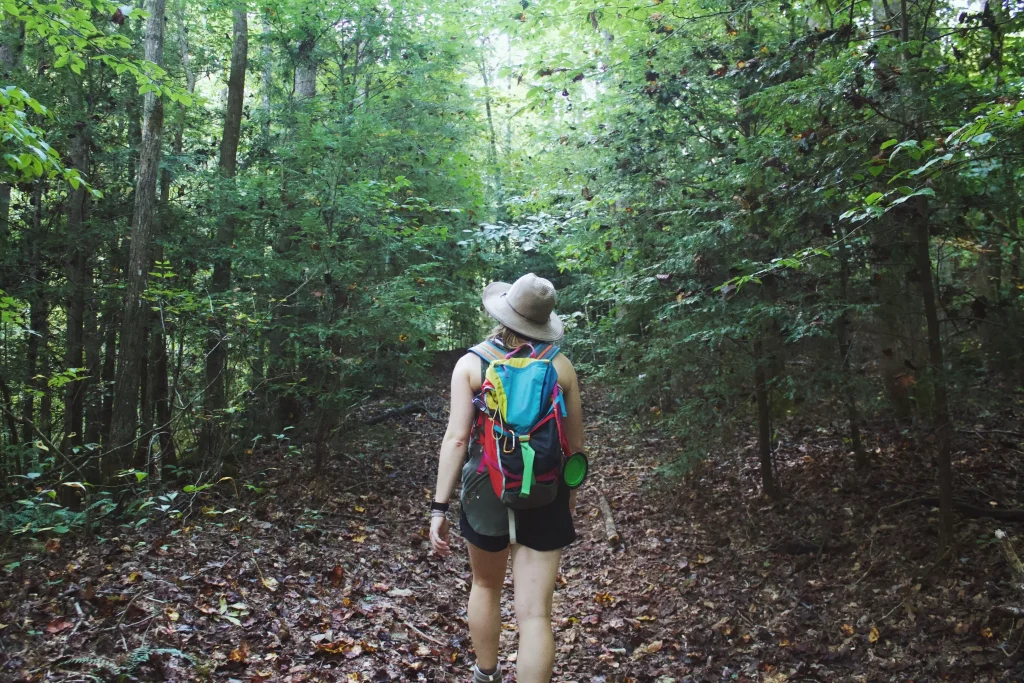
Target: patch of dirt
(293, 573)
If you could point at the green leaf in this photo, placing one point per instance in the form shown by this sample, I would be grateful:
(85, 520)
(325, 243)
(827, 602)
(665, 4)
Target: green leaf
(873, 198)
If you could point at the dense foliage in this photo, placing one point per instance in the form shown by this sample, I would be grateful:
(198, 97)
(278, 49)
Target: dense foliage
(243, 220)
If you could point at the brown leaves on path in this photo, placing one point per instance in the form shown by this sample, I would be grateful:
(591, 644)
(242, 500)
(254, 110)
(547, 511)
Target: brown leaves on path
(328, 577)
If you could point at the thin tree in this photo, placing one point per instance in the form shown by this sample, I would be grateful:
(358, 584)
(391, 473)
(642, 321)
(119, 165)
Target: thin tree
(217, 337)
(124, 421)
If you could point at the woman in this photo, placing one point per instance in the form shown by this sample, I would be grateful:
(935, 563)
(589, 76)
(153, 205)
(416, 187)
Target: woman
(525, 315)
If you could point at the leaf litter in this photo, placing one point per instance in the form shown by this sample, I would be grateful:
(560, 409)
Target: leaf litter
(327, 574)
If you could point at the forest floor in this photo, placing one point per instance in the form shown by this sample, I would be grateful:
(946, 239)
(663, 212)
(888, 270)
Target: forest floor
(326, 574)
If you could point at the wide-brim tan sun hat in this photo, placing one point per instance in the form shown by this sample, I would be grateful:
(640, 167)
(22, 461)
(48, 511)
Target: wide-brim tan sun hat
(526, 306)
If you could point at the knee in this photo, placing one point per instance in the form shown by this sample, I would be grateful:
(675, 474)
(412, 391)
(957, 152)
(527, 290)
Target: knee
(489, 583)
(529, 610)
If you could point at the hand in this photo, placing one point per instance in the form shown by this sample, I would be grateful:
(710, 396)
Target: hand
(439, 526)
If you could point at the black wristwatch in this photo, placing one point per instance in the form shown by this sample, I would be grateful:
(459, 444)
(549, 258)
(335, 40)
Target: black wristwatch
(439, 507)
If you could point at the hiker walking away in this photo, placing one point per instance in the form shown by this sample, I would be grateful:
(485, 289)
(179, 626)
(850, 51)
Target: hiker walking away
(515, 407)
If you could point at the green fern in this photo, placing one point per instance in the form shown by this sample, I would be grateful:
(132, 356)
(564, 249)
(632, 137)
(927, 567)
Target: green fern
(141, 655)
(95, 662)
(135, 659)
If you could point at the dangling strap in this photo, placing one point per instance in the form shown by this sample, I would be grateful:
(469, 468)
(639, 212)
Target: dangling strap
(528, 456)
(512, 526)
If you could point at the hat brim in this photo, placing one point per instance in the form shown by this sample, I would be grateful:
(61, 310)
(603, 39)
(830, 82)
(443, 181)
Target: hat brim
(498, 308)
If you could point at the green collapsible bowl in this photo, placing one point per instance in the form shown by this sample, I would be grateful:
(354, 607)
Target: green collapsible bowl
(575, 470)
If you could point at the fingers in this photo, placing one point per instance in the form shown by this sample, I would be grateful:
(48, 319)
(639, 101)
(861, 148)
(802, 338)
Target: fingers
(439, 539)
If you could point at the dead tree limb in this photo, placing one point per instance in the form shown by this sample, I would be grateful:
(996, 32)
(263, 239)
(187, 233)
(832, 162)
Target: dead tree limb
(609, 522)
(966, 509)
(407, 409)
(1012, 559)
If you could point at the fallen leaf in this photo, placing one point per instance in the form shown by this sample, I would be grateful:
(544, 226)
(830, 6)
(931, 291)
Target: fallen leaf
(336, 575)
(53, 545)
(873, 635)
(847, 629)
(270, 583)
(359, 539)
(57, 625)
(240, 655)
(400, 593)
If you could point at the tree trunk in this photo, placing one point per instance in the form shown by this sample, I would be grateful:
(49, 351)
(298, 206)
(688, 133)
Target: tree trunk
(764, 435)
(217, 338)
(305, 69)
(111, 321)
(77, 275)
(35, 350)
(940, 415)
(843, 333)
(492, 150)
(93, 369)
(125, 418)
(145, 419)
(159, 361)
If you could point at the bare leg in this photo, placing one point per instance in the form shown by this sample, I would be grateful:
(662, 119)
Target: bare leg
(485, 603)
(534, 573)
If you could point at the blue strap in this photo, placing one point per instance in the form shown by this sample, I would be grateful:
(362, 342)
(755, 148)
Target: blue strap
(489, 351)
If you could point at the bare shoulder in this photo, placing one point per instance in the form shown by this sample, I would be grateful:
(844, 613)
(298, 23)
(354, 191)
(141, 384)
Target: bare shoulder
(468, 370)
(466, 365)
(566, 372)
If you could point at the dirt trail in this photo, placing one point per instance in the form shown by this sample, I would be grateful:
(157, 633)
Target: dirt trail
(326, 575)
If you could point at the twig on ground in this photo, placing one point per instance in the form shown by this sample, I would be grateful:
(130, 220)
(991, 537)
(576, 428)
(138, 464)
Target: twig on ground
(435, 641)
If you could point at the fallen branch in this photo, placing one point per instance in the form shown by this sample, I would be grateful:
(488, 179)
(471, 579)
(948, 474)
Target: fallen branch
(609, 522)
(966, 509)
(1009, 611)
(990, 431)
(1012, 559)
(428, 637)
(407, 409)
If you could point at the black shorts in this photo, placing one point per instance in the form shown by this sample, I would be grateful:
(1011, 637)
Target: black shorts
(548, 527)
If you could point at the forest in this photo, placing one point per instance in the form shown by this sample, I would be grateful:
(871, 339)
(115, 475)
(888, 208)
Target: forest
(243, 244)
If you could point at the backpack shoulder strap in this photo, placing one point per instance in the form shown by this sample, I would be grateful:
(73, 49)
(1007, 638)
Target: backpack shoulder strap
(488, 351)
(548, 351)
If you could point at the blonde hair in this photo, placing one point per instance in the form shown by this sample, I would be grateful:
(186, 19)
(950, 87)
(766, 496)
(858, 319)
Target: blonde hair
(509, 338)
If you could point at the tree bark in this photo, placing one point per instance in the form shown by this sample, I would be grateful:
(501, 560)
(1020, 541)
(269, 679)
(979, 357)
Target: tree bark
(217, 337)
(77, 275)
(305, 69)
(125, 419)
(843, 333)
(940, 415)
(159, 361)
(764, 436)
(35, 348)
(93, 368)
(111, 321)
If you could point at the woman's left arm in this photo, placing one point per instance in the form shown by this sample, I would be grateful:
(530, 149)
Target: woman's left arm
(454, 444)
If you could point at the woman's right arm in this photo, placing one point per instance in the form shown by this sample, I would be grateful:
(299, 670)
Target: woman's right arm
(573, 405)
(573, 423)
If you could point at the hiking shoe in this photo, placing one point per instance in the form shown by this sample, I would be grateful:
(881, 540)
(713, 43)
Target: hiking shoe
(480, 677)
